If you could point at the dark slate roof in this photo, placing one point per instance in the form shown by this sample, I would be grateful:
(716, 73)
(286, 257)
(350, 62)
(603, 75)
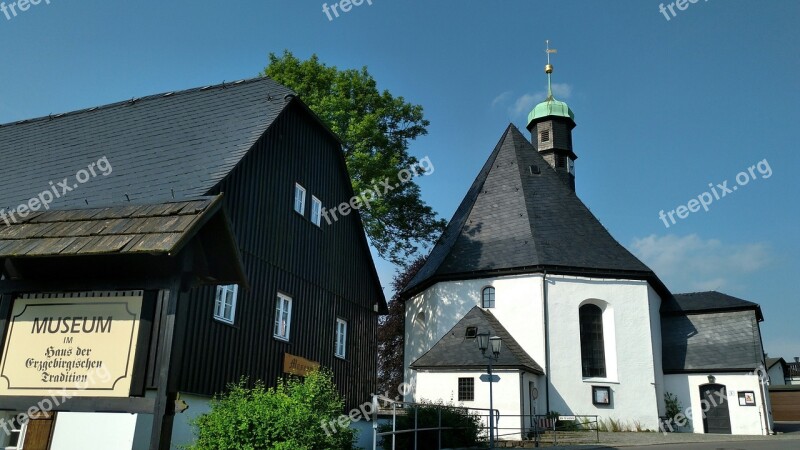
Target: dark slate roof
(711, 341)
(511, 219)
(150, 232)
(454, 351)
(772, 361)
(701, 302)
(152, 229)
(161, 147)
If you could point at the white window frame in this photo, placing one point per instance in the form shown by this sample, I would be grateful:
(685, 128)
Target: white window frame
(283, 308)
(340, 351)
(316, 211)
(220, 302)
(14, 430)
(299, 208)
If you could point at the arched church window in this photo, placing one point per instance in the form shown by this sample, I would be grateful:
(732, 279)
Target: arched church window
(488, 297)
(593, 358)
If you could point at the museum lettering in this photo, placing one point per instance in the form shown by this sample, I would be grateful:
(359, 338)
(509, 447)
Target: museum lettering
(65, 325)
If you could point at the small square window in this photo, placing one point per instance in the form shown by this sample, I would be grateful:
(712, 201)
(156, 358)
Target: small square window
(471, 333)
(283, 317)
(466, 389)
(299, 199)
(341, 338)
(225, 303)
(316, 211)
(545, 135)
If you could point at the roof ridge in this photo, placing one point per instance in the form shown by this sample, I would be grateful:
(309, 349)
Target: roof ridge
(150, 97)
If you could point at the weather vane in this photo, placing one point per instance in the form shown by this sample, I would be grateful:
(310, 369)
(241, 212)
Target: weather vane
(548, 69)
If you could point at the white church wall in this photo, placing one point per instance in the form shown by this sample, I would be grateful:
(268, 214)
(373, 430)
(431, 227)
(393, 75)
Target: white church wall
(443, 386)
(746, 420)
(631, 372)
(658, 349)
(518, 306)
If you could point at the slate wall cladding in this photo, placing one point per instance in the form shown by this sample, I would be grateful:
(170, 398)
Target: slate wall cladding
(711, 341)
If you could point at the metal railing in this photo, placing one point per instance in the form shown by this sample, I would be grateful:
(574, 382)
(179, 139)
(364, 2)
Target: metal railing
(426, 426)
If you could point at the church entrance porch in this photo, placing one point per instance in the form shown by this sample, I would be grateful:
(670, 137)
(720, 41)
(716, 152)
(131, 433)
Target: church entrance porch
(717, 419)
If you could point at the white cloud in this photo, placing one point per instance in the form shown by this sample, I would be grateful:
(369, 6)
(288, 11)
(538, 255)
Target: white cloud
(562, 90)
(501, 98)
(689, 263)
(525, 103)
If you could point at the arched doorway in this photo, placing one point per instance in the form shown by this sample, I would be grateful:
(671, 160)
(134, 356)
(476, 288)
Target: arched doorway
(717, 419)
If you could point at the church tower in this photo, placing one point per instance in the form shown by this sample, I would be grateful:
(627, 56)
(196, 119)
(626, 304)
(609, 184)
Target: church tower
(551, 123)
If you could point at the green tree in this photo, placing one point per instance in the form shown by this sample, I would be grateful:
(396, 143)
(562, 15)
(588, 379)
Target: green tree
(375, 128)
(289, 416)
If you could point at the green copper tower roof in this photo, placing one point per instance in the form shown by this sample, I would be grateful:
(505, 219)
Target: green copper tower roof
(551, 106)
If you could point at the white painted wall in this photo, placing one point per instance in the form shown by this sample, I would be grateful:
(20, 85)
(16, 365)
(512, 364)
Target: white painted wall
(74, 431)
(776, 377)
(631, 327)
(443, 386)
(181, 430)
(435, 311)
(631, 312)
(744, 419)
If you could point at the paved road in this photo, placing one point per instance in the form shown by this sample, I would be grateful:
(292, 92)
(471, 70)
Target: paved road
(742, 445)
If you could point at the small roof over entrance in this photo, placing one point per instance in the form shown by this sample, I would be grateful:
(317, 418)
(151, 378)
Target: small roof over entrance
(145, 235)
(456, 351)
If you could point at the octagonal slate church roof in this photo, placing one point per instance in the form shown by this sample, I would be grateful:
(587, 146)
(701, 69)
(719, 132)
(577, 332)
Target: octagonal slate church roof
(520, 217)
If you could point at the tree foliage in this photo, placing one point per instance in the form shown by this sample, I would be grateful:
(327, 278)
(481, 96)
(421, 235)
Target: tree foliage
(289, 416)
(391, 332)
(375, 128)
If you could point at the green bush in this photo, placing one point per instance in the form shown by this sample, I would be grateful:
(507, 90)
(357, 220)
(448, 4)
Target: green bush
(289, 416)
(467, 426)
(672, 404)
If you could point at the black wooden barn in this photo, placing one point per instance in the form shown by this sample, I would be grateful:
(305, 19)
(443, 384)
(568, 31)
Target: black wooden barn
(115, 195)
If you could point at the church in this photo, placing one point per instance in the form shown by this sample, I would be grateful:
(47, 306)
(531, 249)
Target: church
(585, 327)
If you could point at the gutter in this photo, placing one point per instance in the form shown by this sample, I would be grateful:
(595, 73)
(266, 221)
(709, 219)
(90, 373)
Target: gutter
(546, 344)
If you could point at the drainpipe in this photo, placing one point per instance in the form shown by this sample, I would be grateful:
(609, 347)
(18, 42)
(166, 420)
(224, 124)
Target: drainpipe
(546, 344)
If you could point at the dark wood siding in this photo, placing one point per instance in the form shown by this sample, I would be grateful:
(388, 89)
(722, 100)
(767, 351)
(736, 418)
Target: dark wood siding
(326, 270)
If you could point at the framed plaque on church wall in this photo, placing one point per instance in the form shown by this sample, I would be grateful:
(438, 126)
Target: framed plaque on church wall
(747, 398)
(601, 395)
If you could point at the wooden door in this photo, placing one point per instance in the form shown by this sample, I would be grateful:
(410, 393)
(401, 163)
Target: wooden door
(39, 431)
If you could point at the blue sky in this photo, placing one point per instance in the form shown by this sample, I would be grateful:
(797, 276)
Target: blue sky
(663, 107)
